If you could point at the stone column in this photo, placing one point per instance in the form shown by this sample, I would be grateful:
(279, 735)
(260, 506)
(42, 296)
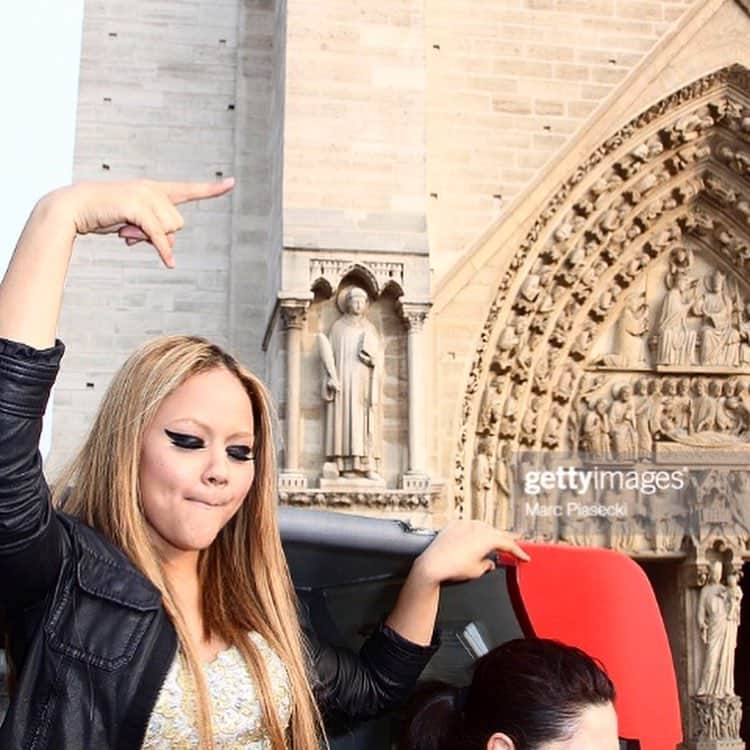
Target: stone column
(414, 316)
(293, 315)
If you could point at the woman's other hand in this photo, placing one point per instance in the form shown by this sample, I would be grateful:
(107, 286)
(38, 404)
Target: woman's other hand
(464, 550)
(459, 552)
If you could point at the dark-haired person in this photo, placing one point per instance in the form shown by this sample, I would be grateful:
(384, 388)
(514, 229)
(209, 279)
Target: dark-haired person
(533, 694)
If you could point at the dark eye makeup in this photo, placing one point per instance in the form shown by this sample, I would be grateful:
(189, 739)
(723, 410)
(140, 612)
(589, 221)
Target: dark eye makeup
(191, 442)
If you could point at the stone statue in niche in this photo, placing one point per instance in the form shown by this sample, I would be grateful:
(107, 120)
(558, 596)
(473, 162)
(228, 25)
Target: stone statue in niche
(583, 341)
(352, 381)
(718, 621)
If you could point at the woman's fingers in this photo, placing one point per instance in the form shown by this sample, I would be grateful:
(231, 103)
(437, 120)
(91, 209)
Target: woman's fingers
(139, 210)
(131, 232)
(181, 192)
(507, 543)
(157, 236)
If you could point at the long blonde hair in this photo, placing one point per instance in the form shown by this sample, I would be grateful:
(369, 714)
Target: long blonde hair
(245, 582)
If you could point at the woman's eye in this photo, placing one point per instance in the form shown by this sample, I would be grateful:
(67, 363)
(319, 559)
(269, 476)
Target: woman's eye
(184, 441)
(241, 452)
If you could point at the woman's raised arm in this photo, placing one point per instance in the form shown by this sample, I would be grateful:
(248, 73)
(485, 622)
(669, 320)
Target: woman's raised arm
(31, 292)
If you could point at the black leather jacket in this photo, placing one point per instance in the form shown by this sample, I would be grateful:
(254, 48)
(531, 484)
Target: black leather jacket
(89, 637)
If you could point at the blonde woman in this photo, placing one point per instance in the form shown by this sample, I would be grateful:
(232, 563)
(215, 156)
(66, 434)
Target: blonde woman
(151, 607)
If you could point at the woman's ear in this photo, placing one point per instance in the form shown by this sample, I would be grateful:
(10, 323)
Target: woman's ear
(500, 741)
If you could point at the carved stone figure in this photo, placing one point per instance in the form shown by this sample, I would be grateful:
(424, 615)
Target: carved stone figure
(541, 379)
(605, 302)
(718, 620)
(512, 340)
(676, 342)
(564, 388)
(584, 340)
(553, 430)
(729, 417)
(622, 425)
(530, 291)
(352, 381)
(644, 412)
(632, 327)
(510, 412)
(704, 408)
(719, 340)
(528, 423)
(667, 418)
(595, 431)
(718, 719)
(683, 406)
(481, 482)
(503, 518)
(492, 404)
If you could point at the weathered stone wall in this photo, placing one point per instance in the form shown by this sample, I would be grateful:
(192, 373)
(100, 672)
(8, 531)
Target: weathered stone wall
(508, 83)
(354, 150)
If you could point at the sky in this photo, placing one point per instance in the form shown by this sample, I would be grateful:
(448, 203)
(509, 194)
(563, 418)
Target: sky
(40, 50)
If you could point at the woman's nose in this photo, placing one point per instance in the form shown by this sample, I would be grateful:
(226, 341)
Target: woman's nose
(217, 470)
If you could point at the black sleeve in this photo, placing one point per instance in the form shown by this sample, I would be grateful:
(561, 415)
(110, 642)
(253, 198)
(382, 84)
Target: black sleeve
(361, 686)
(30, 542)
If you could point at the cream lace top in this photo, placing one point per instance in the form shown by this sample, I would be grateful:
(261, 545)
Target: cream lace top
(235, 704)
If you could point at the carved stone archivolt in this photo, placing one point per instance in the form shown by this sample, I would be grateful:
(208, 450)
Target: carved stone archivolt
(621, 326)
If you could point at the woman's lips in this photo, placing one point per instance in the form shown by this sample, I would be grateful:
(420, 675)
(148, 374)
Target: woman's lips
(209, 503)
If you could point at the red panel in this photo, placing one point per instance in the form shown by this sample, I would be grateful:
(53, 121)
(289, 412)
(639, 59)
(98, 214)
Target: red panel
(602, 602)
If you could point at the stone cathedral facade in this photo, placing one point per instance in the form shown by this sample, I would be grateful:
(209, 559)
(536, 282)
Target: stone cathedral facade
(462, 232)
